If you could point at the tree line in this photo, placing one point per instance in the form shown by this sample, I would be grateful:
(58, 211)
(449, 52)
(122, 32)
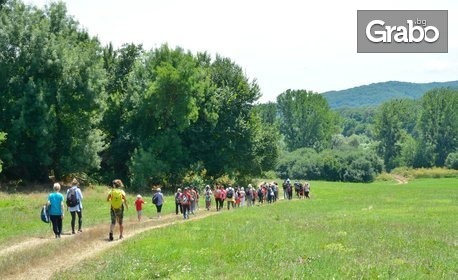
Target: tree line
(72, 107)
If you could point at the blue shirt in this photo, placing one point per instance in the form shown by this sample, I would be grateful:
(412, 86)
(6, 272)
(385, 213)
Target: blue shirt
(55, 199)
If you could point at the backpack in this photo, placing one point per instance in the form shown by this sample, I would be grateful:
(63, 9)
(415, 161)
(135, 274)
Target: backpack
(72, 199)
(207, 196)
(116, 199)
(184, 199)
(155, 198)
(177, 197)
(230, 193)
(45, 214)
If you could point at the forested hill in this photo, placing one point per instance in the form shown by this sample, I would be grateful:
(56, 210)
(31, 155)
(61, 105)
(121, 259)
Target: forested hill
(377, 93)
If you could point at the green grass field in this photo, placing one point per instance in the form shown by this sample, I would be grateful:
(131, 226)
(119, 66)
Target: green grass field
(381, 230)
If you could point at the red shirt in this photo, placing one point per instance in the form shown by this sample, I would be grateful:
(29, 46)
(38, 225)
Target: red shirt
(138, 204)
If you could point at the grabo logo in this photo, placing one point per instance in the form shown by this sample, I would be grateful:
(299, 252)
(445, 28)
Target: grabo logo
(402, 31)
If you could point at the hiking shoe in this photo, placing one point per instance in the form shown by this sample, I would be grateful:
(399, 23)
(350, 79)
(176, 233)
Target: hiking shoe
(110, 236)
(73, 232)
(80, 230)
(121, 237)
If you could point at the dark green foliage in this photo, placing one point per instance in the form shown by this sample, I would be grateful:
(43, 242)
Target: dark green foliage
(394, 119)
(305, 120)
(438, 124)
(357, 120)
(375, 94)
(52, 89)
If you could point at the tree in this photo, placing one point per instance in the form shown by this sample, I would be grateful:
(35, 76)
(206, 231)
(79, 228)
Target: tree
(52, 90)
(119, 65)
(305, 120)
(439, 124)
(163, 95)
(2, 138)
(388, 130)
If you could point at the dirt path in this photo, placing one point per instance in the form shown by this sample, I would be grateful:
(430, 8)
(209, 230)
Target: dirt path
(400, 179)
(31, 259)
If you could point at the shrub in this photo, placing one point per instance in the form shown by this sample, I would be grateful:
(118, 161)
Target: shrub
(452, 161)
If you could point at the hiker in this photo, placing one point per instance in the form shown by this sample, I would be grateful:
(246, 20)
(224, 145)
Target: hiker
(186, 202)
(223, 197)
(56, 209)
(178, 202)
(139, 206)
(75, 204)
(217, 196)
(307, 190)
(208, 197)
(194, 199)
(249, 195)
(118, 200)
(242, 196)
(158, 200)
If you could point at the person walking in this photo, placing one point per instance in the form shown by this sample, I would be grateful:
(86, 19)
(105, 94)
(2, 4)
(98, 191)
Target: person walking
(75, 204)
(158, 200)
(178, 202)
(118, 200)
(208, 197)
(186, 202)
(307, 190)
(56, 209)
(194, 199)
(230, 197)
(139, 206)
(217, 196)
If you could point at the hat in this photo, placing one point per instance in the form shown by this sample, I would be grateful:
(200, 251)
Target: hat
(139, 196)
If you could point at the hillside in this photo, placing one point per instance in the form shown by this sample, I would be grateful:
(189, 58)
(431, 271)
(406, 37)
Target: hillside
(377, 93)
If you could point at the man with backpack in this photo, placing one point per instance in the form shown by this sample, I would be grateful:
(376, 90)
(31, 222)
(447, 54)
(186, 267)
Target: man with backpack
(158, 200)
(118, 200)
(230, 192)
(75, 205)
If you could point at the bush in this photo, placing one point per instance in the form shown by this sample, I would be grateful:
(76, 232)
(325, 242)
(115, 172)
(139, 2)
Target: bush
(354, 165)
(452, 161)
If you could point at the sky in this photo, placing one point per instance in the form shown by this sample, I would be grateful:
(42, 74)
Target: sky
(287, 44)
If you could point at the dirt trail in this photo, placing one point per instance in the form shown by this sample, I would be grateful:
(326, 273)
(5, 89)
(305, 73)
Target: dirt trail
(400, 179)
(88, 244)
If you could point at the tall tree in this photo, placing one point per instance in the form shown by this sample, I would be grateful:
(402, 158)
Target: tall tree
(119, 65)
(52, 91)
(393, 121)
(439, 125)
(306, 120)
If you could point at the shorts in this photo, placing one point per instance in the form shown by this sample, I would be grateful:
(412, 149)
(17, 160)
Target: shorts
(117, 214)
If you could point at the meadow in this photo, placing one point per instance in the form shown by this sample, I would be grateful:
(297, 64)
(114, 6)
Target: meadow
(381, 230)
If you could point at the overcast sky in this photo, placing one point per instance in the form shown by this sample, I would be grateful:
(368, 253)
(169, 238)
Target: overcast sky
(282, 44)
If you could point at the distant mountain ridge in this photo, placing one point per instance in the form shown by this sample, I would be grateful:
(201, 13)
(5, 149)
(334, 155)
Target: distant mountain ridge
(377, 93)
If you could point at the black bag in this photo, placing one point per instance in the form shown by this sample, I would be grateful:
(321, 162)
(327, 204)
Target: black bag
(155, 199)
(72, 200)
(230, 193)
